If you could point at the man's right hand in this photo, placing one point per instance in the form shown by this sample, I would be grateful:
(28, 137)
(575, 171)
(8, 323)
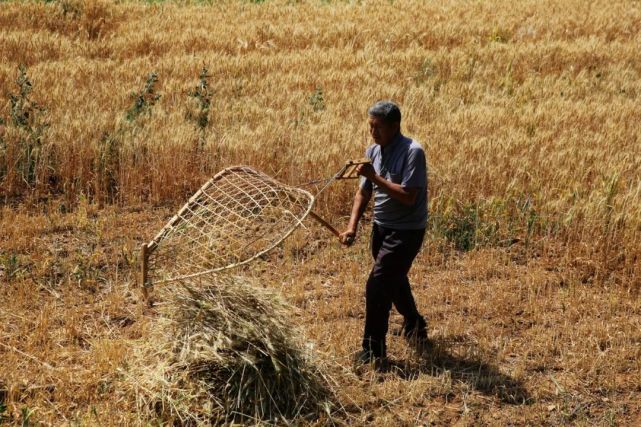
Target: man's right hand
(347, 237)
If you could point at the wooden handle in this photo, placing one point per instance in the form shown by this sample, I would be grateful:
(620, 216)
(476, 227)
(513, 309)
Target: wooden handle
(327, 225)
(349, 170)
(144, 259)
(324, 223)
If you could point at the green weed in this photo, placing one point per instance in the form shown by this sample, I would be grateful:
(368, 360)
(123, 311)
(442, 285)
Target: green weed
(202, 96)
(28, 126)
(26, 416)
(144, 100)
(11, 266)
(109, 148)
(317, 100)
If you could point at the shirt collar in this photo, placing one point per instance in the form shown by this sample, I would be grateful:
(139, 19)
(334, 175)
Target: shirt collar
(389, 148)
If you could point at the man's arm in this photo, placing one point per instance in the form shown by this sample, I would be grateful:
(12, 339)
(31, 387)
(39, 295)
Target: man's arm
(361, 199)
(406, 196)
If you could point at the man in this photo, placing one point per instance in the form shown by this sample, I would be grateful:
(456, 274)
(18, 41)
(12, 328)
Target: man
(397, 176)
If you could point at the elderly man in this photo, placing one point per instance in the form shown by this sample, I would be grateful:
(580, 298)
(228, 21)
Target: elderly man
(397, 176)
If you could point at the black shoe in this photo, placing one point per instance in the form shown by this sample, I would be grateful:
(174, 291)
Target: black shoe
(367, 357)
(416, 336)
(414, 326)
(419, 333)
(421, 345)
(419, 341)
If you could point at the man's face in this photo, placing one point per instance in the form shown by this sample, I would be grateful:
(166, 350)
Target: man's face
(382, 133)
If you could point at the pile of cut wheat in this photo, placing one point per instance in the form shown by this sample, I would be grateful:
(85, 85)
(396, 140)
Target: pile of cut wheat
(225, 350)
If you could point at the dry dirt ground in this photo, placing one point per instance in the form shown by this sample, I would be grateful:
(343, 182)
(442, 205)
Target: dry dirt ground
(521, 337)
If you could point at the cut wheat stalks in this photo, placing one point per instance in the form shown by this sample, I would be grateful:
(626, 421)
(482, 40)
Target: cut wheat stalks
(225, 350)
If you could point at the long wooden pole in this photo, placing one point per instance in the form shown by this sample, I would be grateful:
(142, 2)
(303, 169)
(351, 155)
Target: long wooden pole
(144, 258)
(325, 223)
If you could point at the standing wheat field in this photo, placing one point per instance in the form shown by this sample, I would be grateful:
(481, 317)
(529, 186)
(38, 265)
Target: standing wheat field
(113, 113)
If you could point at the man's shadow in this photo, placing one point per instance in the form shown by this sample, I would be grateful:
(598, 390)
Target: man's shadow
(442, 357)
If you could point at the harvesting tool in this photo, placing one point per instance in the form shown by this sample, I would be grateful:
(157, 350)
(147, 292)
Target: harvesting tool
(234, 218)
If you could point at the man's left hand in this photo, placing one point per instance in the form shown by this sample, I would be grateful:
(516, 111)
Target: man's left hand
(366, 170)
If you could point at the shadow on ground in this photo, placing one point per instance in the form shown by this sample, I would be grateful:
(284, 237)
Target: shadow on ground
(464, 363)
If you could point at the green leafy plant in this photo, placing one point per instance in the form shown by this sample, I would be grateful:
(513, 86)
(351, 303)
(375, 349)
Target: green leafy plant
(317, 100)
(11, 266)
(109, 148)
(201, 96)
(26, 117)
(26, 416)
(145, 99)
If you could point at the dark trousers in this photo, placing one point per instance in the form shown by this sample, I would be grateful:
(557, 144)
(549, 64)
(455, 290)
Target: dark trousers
(393, 252)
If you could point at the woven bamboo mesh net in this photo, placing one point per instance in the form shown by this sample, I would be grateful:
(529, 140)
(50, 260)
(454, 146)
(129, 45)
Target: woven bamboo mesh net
(234, 218)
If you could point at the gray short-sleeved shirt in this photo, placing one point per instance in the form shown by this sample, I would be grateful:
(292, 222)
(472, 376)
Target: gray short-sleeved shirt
(402, 162)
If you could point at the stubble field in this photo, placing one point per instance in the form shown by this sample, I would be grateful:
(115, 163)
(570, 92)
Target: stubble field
(529, 116)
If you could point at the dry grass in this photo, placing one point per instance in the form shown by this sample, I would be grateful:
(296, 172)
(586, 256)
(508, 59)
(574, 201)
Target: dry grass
(225, 350)
(529, 115)
(519, 340)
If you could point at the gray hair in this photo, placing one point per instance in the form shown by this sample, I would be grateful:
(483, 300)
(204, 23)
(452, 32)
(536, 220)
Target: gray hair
(386, 110)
